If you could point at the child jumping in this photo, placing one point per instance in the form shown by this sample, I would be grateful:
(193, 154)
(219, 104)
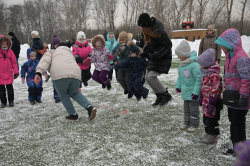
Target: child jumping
(210, 98)
(101, 56)
(189, 85)
(29, 67)
(137, 76)
(8, 71)
(81, 51)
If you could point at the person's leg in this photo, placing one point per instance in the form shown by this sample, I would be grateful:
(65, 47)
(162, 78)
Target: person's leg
(10, 91)
(121, 79)
(86, 75)
(154, 83)
(17, 63)
(39, 90)
(96, 76)
(213, 124)
(194, 114)
(110, 75)
(186, 113)
(56, 96)
(132, 89)
(138, 85)
(32, 91)
(3, 94)
(62, 88)
(103, 77)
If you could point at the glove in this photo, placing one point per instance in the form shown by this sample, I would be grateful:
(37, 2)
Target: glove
(15, 76)
(210, 109)
(111, 57)
(213, 100)
(87, 61)
(23, 80)
(243, 102)
(194, 97)
(177, 90)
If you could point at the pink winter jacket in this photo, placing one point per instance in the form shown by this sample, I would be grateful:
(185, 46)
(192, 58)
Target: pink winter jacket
(82, 51)
(8, 64)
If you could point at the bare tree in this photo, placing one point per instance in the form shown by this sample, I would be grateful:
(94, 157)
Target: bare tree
(200, 13)
(229, 11)
(178, 13)
(242, 15)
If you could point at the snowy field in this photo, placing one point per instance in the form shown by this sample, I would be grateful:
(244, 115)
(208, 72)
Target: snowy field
(40, 135)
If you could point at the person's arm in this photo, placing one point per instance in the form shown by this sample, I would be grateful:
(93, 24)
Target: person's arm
(201, 47)
(44, 63)
(196, 72)
(13, 62)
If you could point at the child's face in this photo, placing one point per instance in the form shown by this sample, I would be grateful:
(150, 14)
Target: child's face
(224, 49)
(33, 56)
(33, 36)
(182, 58)
(111, 36)
(4, 44)
(133, 55)
(209, 32)
(81, 40)
(122, 41)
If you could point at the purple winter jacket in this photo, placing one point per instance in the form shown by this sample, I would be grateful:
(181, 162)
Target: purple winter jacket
(237, 69)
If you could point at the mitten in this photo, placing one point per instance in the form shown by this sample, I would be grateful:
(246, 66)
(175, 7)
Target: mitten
(243, 102)
(15, 76)
(194, 97)
(213, 100)
(177, 90)
(111, 57)
(210, 109)
(79, 60)
(87, 61)
(23, 80)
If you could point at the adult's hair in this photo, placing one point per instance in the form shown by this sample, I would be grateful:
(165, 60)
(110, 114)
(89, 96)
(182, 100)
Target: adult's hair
(149, 35)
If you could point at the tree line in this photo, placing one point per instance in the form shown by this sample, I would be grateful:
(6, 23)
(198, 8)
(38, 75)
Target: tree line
(67, 17)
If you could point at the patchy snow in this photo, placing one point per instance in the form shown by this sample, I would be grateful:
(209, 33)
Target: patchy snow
(40, 135)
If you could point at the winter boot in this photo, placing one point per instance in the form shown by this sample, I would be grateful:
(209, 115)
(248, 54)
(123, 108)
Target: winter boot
(103, 86)
(109, 87)
(3, 105)
(157, 101)
(165, 98)
(11, 104)
(91, 112)
(209, 139)
(72, 117)
(130, 95)
(85, 83)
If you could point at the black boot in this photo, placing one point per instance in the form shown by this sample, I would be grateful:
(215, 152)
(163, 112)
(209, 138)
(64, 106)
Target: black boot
(157, 101)
(165, 98)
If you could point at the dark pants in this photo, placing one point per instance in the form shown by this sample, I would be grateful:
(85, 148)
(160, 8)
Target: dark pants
(212, 124)
(136, 83)
(110, 75)
(123, 78)
(237, 119)
(10, 91)
(35, 91)
(86, 75)
(56, 96)
(101, 77)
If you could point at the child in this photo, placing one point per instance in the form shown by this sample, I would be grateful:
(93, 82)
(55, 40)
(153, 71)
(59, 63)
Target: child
(137, 76)
(35, 91)
(237, 72)
(8, 67)
(82, 50)
(121, 54)
(101, 57)
(66, 77)
(189, 85)
(210, 98)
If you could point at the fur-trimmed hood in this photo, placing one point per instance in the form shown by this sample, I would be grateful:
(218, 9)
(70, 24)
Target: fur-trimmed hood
(98, 37)
(6, 38)
(132, 44)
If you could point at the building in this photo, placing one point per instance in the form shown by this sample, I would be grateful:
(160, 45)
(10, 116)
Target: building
(190, 34)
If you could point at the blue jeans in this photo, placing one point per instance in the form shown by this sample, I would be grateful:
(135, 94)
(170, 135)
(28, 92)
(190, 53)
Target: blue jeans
(68, 87)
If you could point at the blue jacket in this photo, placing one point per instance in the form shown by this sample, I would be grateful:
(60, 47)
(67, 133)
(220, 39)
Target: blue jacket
(29, 67)
(137, 64)
(109, 46)
(189, 80)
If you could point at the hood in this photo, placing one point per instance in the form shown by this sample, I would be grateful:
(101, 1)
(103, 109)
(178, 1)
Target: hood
(193, 55)
(5, 38)
(215, 68)
(111, 40)
(231, 40)
(93, 41)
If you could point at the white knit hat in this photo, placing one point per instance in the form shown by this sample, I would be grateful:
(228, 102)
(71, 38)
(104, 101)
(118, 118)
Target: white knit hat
(35, 33)
(81, 35)
(183, 49)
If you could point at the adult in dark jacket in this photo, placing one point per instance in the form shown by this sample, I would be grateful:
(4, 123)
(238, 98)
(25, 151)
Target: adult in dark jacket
(37, 44)
(158, 50)
(15, 46)
(68, 43)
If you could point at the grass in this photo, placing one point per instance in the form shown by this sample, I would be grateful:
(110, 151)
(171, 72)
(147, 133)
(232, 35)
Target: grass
(40, 135)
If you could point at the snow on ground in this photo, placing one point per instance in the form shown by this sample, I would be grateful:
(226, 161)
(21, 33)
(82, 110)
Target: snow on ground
(40, 135)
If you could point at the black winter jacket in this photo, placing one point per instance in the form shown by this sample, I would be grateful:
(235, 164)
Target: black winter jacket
(37, 45)
(15, 46)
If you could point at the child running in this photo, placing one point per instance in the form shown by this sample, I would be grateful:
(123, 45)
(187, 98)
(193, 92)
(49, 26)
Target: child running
(29, 67)
(210, 98)
(189, 85)
(8, 71)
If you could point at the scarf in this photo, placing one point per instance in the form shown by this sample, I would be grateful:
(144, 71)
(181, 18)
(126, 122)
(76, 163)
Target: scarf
(186, 62)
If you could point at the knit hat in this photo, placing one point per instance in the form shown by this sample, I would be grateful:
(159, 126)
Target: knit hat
(183, 49)
(80, 35)
(242, 151)
(35, 33)
(134, 49)
(55, 40)
(123, 36)
(207, 59)
(11, 34)
(210, 27)
(144, 20)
